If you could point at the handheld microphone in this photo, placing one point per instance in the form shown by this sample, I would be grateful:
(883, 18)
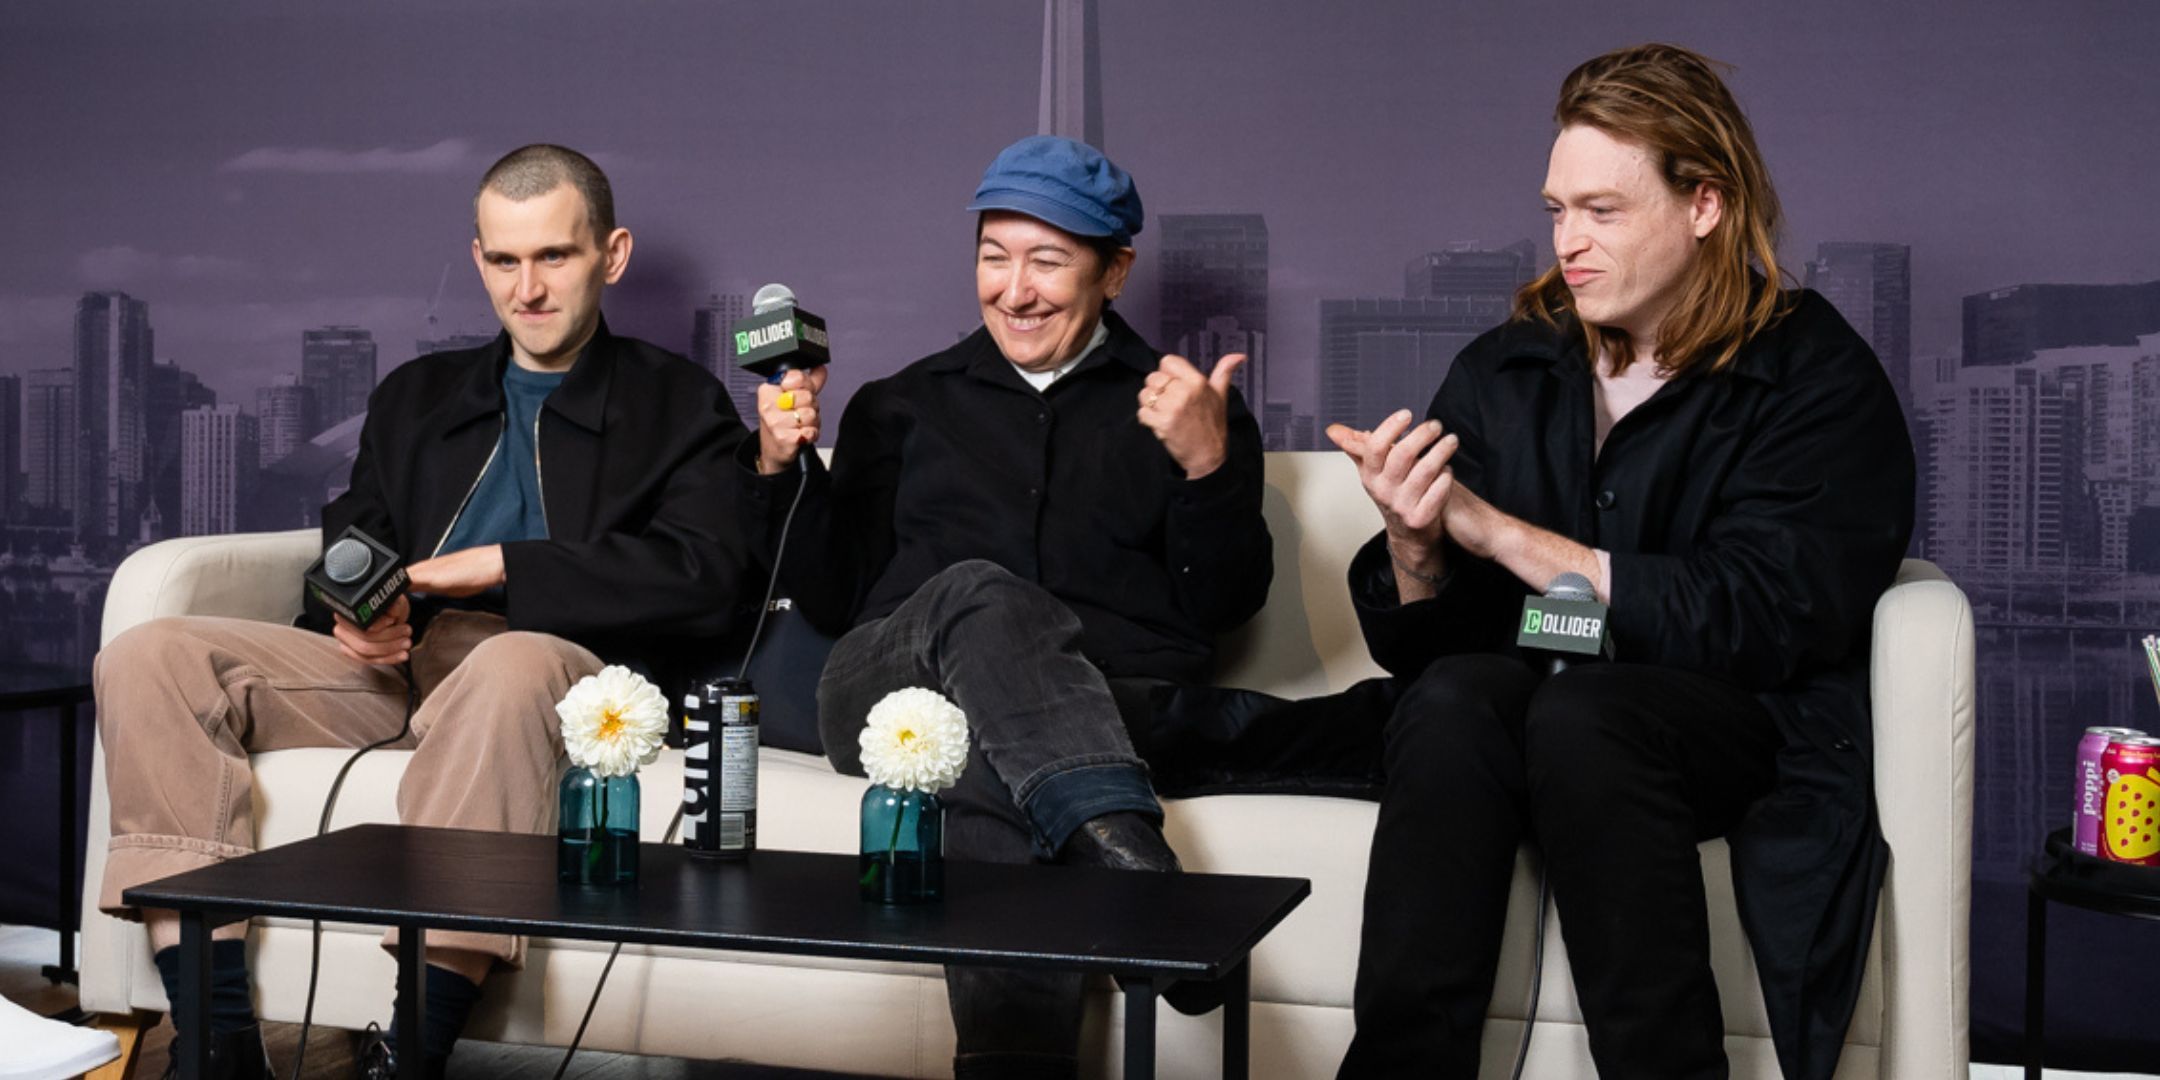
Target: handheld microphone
(358, 577)
(1567, 622)
(778, 336)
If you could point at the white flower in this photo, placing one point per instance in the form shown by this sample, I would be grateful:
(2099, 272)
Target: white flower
(915, 740)
(613, 722)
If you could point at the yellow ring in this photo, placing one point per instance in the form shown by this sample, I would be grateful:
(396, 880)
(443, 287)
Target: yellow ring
(786, 401)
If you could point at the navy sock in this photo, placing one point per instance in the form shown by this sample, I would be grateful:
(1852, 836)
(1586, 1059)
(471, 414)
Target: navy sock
(450, 999)
(231, 1009)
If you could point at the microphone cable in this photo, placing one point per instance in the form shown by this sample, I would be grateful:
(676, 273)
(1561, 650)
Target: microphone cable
(307, 1014)
(1537, 969)
(757, 630)
(412, 704)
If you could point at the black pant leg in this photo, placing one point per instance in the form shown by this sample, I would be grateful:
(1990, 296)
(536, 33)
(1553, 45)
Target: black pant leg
(1206, 740)
(1443, 855)
(1629, 768)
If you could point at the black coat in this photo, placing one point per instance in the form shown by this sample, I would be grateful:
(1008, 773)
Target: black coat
(636, 477)
(956, 457)
(1754, 517)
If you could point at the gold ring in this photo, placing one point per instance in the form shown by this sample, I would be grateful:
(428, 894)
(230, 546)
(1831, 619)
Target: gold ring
(1153, 398)
(786, 401)
(798, 417)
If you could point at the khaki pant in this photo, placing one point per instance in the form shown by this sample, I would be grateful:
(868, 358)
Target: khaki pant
(183, 701)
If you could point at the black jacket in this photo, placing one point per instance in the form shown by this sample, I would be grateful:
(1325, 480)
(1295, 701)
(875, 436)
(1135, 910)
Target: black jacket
(956, 457)
(1754, 517)
(636, 476)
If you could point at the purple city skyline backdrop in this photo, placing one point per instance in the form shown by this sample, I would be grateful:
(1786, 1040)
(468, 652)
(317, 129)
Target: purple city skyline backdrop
(251, 173)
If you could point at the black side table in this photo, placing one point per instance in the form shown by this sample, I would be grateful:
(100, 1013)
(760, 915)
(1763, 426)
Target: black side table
(2066, 876)
(65, 689)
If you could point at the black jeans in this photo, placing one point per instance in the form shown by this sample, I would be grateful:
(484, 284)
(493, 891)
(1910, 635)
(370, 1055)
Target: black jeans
(1048, 751)
(1046, 735)
(1616, 772)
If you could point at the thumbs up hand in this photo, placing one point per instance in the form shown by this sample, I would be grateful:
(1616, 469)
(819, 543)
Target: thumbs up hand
(1190, 412)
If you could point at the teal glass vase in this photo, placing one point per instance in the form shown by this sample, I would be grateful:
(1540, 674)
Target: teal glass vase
(599, 829)
(903, 846)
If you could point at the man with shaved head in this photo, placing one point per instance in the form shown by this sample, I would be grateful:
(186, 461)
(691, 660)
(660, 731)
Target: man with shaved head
(559, 496)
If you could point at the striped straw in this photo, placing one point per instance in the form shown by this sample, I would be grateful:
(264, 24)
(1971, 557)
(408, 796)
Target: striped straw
(2152, 661)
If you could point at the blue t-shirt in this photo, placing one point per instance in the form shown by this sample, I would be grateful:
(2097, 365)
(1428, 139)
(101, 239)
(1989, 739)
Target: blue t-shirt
(506, 505)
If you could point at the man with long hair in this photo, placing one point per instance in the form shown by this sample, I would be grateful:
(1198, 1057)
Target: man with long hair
(1724, 460)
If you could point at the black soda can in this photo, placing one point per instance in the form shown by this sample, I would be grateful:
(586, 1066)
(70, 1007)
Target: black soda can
(720, 768)
(697, 770)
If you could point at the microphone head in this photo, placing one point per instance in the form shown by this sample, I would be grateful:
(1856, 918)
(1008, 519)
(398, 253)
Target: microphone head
(1571, 586)
(347, 560)
(772, 297)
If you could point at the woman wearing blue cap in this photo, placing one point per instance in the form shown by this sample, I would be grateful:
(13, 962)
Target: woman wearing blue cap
(1045, 522)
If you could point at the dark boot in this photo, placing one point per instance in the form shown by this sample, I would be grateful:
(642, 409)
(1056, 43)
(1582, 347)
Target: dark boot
(376, 1059)
(1129, 841)
(1014, 1025)
(1120, 841)
(234, 1055)
(1014, 1066)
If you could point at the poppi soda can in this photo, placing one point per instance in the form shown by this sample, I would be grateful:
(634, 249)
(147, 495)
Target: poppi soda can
(2090, 786)
(2130, 818)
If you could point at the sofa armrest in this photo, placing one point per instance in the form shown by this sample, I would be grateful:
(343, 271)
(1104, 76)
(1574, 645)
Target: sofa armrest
(1923, 691)
(243, 575)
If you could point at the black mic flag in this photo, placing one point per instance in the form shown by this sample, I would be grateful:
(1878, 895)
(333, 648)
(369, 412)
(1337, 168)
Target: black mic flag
(779, 336)
(1567, 622)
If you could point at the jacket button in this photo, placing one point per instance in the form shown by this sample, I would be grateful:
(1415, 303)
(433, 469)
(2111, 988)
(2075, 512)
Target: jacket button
(1034, 493)
(1606, 499)
(1842, 744)
(1042, 417)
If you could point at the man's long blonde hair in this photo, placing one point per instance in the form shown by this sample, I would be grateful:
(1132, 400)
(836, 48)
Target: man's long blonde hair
(1671, 101)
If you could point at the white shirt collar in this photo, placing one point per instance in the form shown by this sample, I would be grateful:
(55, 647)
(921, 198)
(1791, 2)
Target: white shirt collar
(1041, 380)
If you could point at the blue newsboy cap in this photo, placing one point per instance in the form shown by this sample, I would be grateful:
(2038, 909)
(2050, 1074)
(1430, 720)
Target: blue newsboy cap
(1064, 183)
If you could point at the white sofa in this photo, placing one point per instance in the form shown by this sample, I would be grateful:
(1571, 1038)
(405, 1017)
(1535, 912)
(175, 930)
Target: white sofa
(892, 1020)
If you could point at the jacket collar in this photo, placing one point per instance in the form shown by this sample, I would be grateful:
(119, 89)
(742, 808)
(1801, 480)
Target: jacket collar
(581, 399)
(978, 354)
(1761, 358)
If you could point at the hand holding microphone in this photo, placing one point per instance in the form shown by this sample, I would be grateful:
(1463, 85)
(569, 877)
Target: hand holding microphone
(788, 419)
(363, 582)
(790, 348)
(1190, 412)
(387, 640)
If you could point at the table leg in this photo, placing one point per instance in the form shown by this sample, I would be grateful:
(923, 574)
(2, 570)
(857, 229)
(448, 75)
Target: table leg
(1237, 1022)
(2035, 983)
(412, 1002)
(191, 1014)
(1139, 1026)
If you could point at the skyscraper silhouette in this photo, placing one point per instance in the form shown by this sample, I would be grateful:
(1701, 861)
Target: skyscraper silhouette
(285, 412)
(50, 446)
(1473, 276)
(112, 364)
(219, 455)
(1071, 100)
(709, 328)
(11, 421)
(1871, 285)
(337, 364)
(170, 391)
(2005, 326)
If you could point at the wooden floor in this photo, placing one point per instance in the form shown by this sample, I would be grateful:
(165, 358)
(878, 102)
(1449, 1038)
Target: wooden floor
(329, 1056)
(330, 1051)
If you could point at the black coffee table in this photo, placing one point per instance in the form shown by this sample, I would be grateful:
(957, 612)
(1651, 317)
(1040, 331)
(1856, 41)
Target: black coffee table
(1145, 930)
